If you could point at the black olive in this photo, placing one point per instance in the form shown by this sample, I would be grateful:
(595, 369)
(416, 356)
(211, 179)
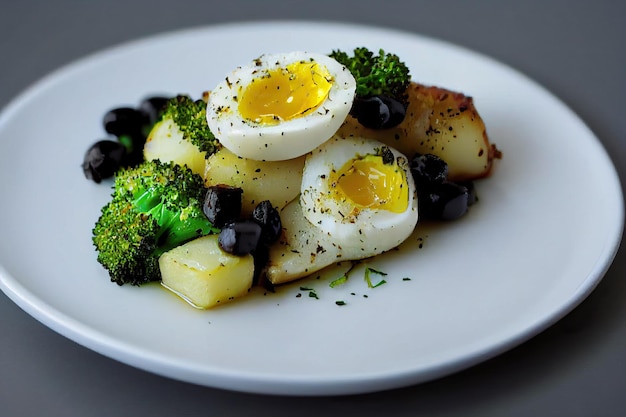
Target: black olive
(222, 204)
(134, 145)
(445, 201)
(456, 201)
(472, 197)
(152, 107)
(397, 112)
(125, 121)
(378, 112)
(428, 169)
(103, 159)
(269, 219)
(240, 237)
(371, 112)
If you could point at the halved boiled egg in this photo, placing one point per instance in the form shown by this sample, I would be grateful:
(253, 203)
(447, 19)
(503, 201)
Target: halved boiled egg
(360, 191)
(357, 200)
(281, 106)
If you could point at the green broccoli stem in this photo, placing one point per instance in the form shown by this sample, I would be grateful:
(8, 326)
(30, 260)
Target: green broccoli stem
(176, 226)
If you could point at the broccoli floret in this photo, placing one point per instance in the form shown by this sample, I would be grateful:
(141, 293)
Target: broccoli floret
(154, 207)
(126, 241)
(190, 117)
(376, 75)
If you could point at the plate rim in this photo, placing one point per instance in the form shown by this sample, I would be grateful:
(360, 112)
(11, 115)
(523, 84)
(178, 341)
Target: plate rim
(84, 335)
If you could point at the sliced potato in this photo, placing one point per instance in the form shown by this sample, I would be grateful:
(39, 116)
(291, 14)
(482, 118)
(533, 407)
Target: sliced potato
(297, 252)
(440, 122)
(167, 144)
(204, 275)
(303, 248)
(277, 181)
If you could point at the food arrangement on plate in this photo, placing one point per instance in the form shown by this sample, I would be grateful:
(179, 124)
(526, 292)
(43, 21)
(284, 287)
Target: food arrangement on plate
(290, 164)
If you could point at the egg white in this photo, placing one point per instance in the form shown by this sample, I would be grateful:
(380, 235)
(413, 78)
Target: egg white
(371, 230)
(316, 231)
(286, 139)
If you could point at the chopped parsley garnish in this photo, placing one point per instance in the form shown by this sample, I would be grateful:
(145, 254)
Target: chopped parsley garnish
(339, 281)
(368, 272)
(311, 291)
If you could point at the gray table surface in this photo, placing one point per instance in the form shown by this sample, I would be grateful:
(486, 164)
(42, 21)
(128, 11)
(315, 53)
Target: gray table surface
(576, 368)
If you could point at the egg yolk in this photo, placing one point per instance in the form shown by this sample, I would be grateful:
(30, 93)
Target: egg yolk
(285, 93)
(370, 183)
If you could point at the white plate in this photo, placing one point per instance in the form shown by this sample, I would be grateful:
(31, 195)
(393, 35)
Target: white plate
(543, 234)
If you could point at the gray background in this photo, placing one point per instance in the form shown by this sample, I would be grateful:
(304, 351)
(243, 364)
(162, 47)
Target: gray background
(575, 368)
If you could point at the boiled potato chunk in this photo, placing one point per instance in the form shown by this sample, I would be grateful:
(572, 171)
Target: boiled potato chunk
(167, 144)
(204, 275)
(276, 181)
(441, 122)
